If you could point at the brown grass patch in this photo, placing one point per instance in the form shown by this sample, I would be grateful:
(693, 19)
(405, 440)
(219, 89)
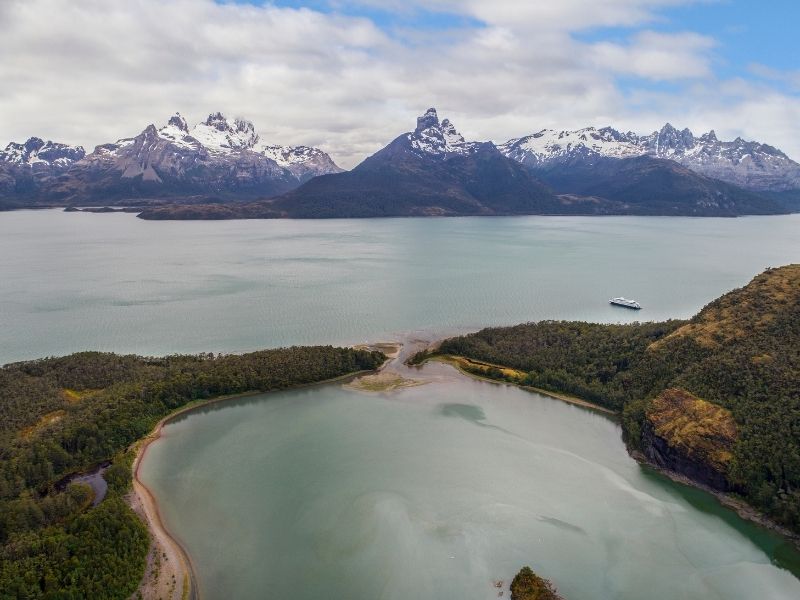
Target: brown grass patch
(44, 421)
(472, 365)
(736, 314)
(696, 427)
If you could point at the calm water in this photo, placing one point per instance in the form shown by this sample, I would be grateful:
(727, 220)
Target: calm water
(433, 491)
(72, 281)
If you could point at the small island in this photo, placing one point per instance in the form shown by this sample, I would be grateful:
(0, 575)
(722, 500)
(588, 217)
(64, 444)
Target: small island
(527, 585)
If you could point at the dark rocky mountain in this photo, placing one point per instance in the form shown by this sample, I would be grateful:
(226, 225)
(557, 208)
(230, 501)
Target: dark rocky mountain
(653, 186)
(217, 159)
(751, 165)
(222, 169)
(430, 171)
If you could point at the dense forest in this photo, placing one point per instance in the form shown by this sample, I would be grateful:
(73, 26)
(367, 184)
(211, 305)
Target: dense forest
(740, 353)
(64, 415)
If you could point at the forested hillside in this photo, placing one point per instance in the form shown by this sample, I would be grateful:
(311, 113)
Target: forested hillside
(741, 353)
(64, 415)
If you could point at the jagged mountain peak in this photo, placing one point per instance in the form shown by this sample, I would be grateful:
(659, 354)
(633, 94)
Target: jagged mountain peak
(218, 121)
(33, 144)
(435, 137)
(178, 122)
(749, 164)
(711, 136)
(217, 134)
(427, 121)
(37, 151)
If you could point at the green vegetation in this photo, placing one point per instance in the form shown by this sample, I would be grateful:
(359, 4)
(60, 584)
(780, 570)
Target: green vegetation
(591, 361)
(527, 585)
(64, 415)
(741, 353)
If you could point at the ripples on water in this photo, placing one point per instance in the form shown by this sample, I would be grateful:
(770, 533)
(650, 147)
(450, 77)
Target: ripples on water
(436, 492)
(74, 281)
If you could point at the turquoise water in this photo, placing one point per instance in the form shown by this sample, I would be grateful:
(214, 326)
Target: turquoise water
(434, 491)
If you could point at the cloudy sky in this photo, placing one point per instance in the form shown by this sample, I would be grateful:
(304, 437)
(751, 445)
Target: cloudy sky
(350, 76)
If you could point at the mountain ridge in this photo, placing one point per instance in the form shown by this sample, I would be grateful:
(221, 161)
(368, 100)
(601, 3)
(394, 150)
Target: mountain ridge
(429, 171)
(215, 158)
(434, 171)
(748, 164)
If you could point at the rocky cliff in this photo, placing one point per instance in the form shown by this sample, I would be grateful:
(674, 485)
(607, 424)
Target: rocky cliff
(689, 436)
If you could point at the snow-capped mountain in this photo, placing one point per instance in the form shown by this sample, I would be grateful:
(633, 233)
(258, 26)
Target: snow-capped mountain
(438, 138)
(431, 170)
(27, 167)
(216, 158)
(36, 151)
(220, 137)
(550, 145)
(751, 165)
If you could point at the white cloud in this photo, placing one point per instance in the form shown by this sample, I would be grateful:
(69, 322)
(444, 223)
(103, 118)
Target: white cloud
(91, 71)
(657, 56)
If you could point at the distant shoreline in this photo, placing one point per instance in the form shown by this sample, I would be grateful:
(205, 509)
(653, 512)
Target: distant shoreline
(137, 210)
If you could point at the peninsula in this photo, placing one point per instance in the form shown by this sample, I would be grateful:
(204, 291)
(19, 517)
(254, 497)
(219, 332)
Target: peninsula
(714, 400)
(65, 415)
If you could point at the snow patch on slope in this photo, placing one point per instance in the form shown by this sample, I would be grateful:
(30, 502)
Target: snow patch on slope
(37, 151)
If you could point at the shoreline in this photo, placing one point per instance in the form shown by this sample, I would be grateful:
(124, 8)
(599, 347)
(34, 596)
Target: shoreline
(451, 360)
(168, 561)
(740, 507)
(178, 566)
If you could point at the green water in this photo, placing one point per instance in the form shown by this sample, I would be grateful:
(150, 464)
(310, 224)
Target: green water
(430, 492)
(436, 492)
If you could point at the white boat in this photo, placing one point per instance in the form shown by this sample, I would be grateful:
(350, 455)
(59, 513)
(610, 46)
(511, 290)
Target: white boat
(626, 303)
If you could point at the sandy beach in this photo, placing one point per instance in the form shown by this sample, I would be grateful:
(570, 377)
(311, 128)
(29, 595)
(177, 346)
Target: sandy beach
(168, 574)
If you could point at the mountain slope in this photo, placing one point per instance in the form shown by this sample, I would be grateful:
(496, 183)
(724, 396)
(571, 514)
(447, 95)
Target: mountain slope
(653, 186)
(430, 171)
(215, 159)
(28, 168)
(434, 171)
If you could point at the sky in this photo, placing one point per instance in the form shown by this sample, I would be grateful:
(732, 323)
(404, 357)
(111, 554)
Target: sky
(350, 76)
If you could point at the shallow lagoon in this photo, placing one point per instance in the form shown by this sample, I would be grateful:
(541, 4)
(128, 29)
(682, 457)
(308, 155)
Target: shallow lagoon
(437, 491)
